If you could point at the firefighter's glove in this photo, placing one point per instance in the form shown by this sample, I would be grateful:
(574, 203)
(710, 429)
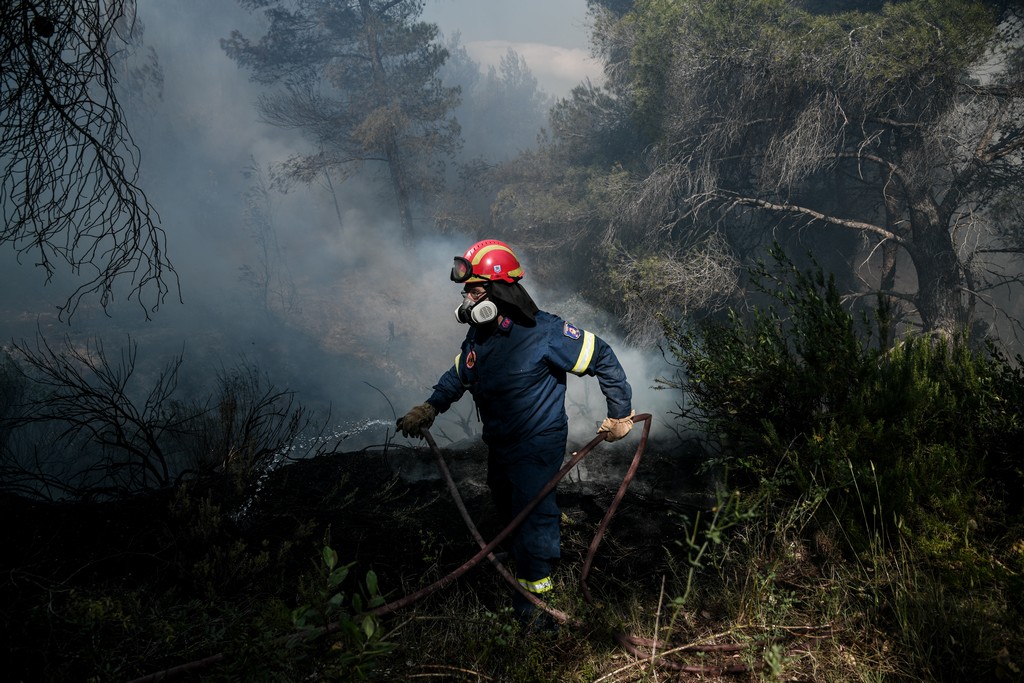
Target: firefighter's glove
(420, 417)
(617, 427)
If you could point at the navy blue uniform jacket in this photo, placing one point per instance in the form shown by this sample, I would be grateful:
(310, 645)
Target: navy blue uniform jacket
(516, 374)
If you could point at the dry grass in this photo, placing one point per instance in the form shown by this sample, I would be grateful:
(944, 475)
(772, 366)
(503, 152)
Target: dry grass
(769, 603)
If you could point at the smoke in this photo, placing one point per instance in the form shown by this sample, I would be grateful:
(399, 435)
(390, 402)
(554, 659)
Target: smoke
(359, 327)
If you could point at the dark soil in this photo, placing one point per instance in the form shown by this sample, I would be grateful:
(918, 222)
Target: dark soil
(387, 511)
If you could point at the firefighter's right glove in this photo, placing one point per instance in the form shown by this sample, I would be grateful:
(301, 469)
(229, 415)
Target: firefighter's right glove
(420, 417)
(617, 427)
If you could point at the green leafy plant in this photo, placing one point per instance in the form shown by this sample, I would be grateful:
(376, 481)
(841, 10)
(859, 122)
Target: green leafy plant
(888, 475)
(354, 637)
(800, 395)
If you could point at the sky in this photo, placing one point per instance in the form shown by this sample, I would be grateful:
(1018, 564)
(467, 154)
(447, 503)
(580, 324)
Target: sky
(363, 347)
(552, 36)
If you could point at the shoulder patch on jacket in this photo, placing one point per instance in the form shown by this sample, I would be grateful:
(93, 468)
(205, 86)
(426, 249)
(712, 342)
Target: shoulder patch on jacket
(571, 331)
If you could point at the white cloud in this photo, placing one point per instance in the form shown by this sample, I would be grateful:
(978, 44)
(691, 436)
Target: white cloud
(557, 69)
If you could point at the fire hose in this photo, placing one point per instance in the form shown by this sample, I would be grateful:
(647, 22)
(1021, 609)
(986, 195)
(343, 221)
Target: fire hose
(487, 549)
(632, 644)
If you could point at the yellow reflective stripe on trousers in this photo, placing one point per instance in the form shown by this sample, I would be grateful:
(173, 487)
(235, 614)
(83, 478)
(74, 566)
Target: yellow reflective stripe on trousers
(538, 586)
(586, 353)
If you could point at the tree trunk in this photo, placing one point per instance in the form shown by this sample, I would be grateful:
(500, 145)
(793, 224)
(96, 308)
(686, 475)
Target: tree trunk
(401, 185)
(890, 249)
(939, 279)
(392, 153)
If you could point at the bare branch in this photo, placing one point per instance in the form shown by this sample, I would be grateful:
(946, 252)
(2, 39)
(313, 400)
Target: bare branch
(69, 187)
(825, 218)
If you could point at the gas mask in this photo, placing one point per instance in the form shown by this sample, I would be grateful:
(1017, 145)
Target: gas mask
(476, 312)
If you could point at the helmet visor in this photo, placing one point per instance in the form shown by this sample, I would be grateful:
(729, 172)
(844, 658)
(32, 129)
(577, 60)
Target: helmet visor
(462, 269)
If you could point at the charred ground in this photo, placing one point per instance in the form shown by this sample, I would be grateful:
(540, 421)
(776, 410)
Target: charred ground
(81, 572)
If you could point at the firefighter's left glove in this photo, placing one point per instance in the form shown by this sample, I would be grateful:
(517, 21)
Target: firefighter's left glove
(420, 417)
(617, 427)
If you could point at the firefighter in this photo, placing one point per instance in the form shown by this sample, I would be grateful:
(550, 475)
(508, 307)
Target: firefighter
(514, 362)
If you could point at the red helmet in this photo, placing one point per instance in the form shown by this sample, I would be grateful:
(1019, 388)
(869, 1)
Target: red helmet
(487, 261)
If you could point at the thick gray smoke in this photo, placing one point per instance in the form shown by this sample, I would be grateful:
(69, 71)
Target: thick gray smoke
(353, 324)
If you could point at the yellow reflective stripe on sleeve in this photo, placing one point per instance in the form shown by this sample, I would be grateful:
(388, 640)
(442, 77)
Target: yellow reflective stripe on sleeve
(539, 586)
(457, 373)
(586, 353)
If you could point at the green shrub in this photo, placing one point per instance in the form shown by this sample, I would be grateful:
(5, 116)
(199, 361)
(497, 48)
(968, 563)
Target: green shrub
(802, 394)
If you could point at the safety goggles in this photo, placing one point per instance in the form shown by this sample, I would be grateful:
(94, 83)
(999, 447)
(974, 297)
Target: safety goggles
(462, 270)
(475, 295)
